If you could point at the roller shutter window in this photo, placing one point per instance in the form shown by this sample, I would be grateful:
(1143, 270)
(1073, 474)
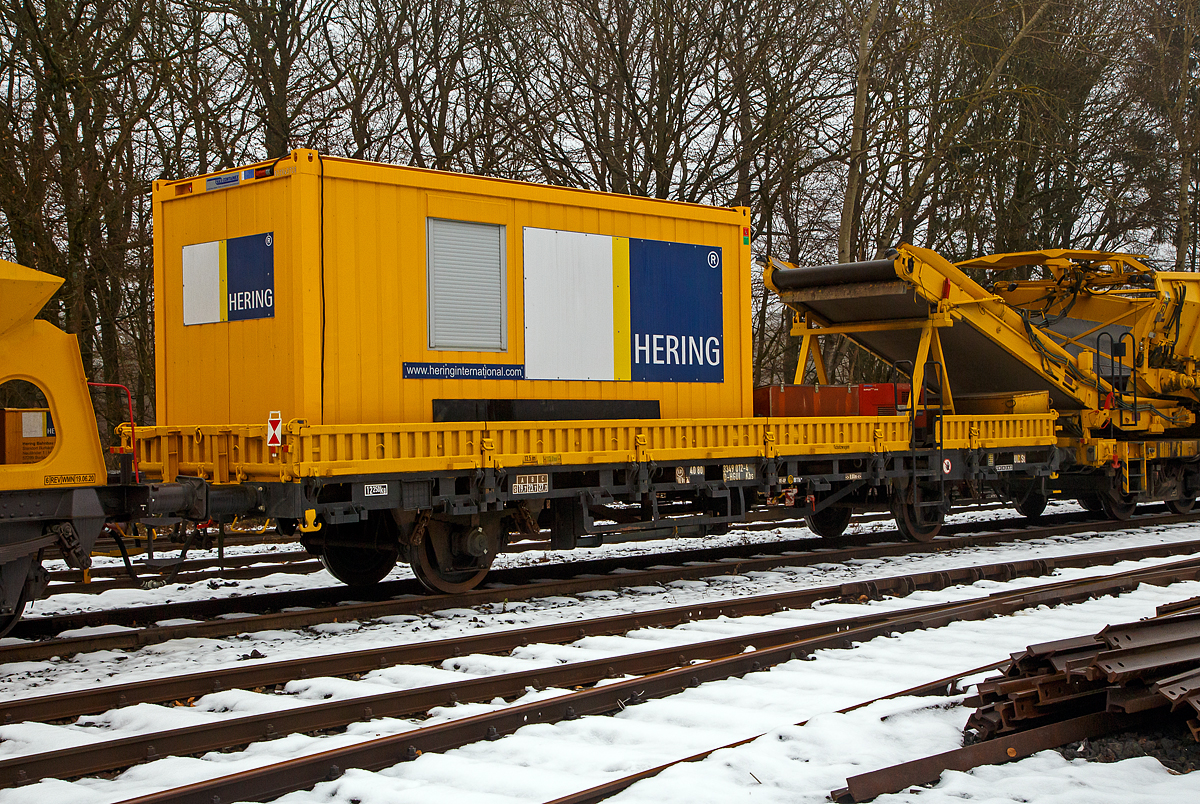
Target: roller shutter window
(467, 293)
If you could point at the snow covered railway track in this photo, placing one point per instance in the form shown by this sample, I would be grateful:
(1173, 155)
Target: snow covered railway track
(260, 564)
(658, 673)
(601, 792)
(181, 687)
(148, 625)
(255, 565)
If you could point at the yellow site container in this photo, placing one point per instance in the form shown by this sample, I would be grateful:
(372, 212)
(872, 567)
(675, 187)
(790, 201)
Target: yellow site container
(345, 292)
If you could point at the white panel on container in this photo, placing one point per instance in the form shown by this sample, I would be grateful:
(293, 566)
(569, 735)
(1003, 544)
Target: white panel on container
(568, 306)
(202, 283)
(467, 287)
(33, 424)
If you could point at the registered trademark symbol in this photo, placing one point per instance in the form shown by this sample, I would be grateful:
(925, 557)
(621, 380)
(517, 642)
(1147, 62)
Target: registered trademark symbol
(714, 259)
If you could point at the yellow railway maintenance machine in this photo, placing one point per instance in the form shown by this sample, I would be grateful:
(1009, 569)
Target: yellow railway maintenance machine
(1103, 340)
(402, 364)
(52, 499)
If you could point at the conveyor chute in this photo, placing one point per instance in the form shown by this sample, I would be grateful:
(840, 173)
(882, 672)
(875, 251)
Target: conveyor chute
(818, 276)
(1021, 337)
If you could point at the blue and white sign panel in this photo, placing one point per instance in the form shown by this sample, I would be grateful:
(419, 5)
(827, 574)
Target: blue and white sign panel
(223, 182)
(675, 312)
(608, 308)
(229, 280)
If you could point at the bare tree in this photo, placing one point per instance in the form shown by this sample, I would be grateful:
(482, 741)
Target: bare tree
(283, 49)
(1165, 82)
(79, 86)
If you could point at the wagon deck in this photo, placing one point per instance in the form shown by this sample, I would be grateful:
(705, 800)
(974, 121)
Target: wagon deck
(232, 454)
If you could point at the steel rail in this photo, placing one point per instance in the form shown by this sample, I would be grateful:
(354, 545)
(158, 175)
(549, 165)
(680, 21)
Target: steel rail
(98, 699)
(271, 781)
(995, 751)
(249, 570)
(33, 626)
(772, 521)
(610, 788)
(424, 604)
(193, 564)
(417, 604)
(753, 523)
(111, 754)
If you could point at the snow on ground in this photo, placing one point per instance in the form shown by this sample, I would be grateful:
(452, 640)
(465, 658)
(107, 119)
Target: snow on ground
(193, 655)
(790, 763)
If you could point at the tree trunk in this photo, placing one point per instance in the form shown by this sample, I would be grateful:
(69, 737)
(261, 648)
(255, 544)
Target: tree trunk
(850, 202)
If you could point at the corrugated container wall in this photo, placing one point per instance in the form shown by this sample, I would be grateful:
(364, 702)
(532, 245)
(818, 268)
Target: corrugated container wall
(346, 292)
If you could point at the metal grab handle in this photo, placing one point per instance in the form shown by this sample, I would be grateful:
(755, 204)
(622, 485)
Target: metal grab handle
(132, 427)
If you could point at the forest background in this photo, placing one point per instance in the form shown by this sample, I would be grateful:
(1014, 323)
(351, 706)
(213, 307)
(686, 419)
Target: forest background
(847, 126)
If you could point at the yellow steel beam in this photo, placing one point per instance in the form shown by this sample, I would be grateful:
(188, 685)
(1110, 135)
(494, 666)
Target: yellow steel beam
(935, 348)
(810, 346)
(1057, 257)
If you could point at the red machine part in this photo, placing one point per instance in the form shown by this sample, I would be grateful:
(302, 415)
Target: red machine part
(870, 399)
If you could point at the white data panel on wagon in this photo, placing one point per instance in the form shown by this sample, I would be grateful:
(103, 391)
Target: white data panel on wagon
(568, 306)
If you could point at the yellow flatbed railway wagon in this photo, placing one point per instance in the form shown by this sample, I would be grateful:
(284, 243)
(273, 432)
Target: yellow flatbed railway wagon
(1107, 343)
(404, 364)
(492, 357)
(393, 320)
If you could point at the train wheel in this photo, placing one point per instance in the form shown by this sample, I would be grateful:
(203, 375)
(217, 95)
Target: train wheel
(1032, 505)
(9, 620)
(1119, 510)
(358, 566)
(23, 579)
(1091, 502)
(829, 523)
(453, 558)
(916, 523)
(1182, 505)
